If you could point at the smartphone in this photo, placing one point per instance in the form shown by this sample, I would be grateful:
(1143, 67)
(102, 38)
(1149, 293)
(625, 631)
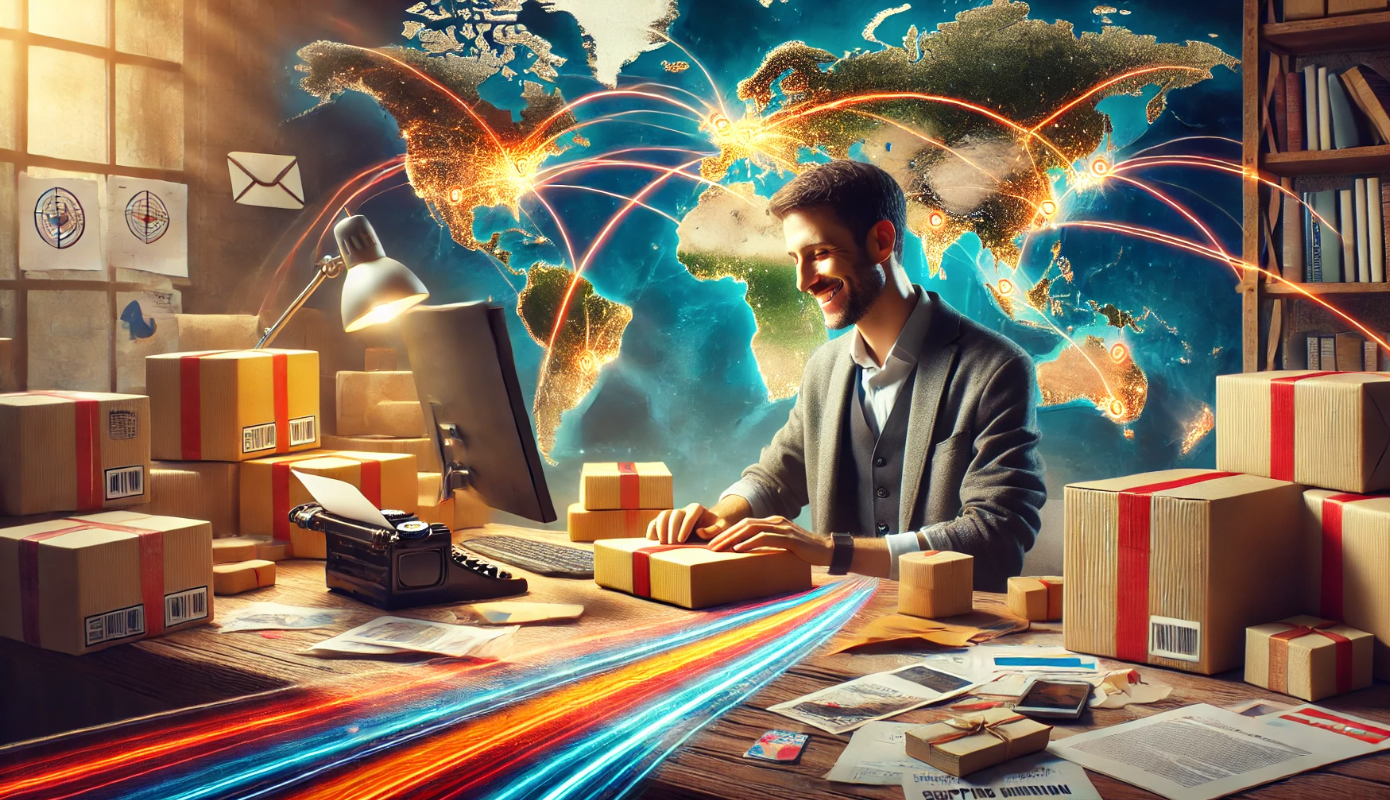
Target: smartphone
(1054, 699)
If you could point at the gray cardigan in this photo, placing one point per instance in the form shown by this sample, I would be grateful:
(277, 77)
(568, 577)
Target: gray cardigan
(972, 476)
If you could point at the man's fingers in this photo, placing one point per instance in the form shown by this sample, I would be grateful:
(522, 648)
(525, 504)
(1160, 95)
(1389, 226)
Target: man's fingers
(711, 531)
(741, 531)
(764, 539)
(692, 516)
(656, 526)
(673, 524)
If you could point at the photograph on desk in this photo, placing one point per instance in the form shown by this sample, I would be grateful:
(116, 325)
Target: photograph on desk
(548, 399)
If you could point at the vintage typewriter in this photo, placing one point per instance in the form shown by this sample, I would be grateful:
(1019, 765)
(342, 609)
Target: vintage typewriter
(414, 564)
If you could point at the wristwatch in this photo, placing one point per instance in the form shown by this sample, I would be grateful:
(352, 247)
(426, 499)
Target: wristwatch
(842, 553)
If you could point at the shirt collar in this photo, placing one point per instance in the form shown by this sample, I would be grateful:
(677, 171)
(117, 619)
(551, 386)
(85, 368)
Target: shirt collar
(908, 346)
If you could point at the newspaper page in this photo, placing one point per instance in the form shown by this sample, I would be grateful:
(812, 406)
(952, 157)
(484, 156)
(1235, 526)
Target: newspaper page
(278, 617)
(876, 756)
(842, 708)
(1037, 775)
(1202, 752)
(399, 634)
(1339, 725)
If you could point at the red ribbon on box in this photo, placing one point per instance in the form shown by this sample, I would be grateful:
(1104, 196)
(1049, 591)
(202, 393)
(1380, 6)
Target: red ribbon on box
(151, 574)
(280, 488)
(87, 447)
(1279, 655)
(629, 485)
(191, 402)
(1281, 424)
(1330, 599)
(642, 566)
(1132, 597)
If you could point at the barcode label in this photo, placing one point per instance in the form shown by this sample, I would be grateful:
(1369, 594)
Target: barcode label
(1175, 638)
(125, 482)
(304, 430)
(185, 606)
(112, 625)
(258, 437)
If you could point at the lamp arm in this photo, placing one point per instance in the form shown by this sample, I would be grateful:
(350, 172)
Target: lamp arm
(329, 267)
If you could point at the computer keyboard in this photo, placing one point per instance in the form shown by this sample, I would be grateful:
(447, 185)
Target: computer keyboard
(541, 558)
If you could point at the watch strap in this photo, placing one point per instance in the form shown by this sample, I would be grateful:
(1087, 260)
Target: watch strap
(841, 553)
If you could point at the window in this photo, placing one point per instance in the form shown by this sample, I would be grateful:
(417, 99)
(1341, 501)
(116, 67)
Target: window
(88, 88)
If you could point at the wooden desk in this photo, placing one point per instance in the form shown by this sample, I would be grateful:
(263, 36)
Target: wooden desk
(46, 693)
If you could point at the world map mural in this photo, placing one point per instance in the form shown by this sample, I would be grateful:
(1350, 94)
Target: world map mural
(1072, 175)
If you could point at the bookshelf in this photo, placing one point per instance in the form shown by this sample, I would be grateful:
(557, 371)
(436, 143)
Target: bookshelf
(1274, 313)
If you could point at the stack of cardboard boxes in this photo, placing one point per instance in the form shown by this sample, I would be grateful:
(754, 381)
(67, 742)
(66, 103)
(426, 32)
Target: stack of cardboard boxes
(1172, 568)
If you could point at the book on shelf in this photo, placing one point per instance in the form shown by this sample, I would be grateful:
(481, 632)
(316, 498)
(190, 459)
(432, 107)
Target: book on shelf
(1350, 349)
(1324, 108)
(1322, 260)
(1344, 124)
(1363, 251)
(1377, 201)
(1370, 92)
(1327, 353)
(1339, 7)
(1346, 231)
(1293, 112)
(1280, 126)
(1314, 354)
(1340, 352)
(1291, 227)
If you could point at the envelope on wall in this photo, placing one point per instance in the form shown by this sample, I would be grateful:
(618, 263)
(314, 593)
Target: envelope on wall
(260, 179)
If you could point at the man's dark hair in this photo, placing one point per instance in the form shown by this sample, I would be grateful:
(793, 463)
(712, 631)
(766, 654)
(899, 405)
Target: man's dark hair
(859, 194)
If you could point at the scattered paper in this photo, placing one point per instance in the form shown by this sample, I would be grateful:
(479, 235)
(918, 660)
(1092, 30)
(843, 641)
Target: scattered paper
(1202, 752)
(895, 630)
(1333, 723)
(876, 756)
(513, 613)
(343, 499)
(59, 224)
(1036, 775)
(274, 616)
(1259, 708)
(845, 707)
(262, 179)
(399, 634)
(1127, 687)
(147, 225)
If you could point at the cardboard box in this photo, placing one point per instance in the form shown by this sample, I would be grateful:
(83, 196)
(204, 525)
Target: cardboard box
(234, 549)
(422, 447)
(1170, 568)
(9, 367)
(692, 576)
(1036, 599)
(961, 745)
(609, 486)
(1316, 428)
(243, 576)
(936, 583)
(233, 406)
(85, 583)
(269, 490)
(1304, 9)
(73, 451)
(381, 403)
(591, 526)
(1335, 7)
(380, 359)
(199, 490)
(1348, 558)
(1308, 657)
(217, 331)
(271, 550)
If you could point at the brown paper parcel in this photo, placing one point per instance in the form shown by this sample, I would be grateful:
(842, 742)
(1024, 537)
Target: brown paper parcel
(972, 742)
(198, 489)
(591, 526)
(1036, 599)
(627, 484)
(693, 576)
(1348, 561)
(936, 583)
(1307, 657)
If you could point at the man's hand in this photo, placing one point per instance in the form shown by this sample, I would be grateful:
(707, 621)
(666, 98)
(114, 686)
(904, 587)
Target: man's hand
(677, 525)
(813, 548)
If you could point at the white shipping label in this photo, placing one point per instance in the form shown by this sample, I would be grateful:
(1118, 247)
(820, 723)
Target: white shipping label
(258, 437)
(186, 606)
(1175, 638)
(304, 430)
(119, 624)
(125, 482)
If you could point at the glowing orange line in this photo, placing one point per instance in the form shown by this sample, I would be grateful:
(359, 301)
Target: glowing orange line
(609, 194)
(556, 217)
(1089, 92)
(1183, 211)
(611, 153)
(602, 162)
(592, 96)
(718, 96)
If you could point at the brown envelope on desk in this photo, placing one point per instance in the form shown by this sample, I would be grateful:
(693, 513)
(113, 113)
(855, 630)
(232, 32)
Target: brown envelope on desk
(261, 179)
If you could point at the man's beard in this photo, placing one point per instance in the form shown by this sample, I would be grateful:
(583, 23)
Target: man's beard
(862, 289)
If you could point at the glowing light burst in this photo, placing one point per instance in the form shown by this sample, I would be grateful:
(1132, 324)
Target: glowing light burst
(533, 728)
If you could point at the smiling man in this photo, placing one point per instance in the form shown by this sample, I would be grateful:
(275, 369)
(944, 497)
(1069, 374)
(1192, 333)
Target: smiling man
(916, 431)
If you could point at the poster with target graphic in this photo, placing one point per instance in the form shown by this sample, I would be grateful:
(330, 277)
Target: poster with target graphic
(147, 225)
(59, 224)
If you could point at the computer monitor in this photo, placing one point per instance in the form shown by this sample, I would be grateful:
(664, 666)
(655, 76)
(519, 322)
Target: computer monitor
(466, 380)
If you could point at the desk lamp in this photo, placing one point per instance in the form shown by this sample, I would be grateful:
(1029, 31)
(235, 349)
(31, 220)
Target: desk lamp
(377, 289)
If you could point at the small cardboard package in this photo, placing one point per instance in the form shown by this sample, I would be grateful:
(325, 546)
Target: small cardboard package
(1326, 429)
(591, 526)
(73, 451)
(233, 405)
(624, 485)
(217, 331)
(382, 403)
(463, 509)
(269, 490)
(85, 583)
(198, 489)
(1036, 599)
(234, 549)
(1348, 559)
(961, 745)
(1169, 568)
(1307, 657)
(422, 447)
(936, 583)
(692, 576)
(242, 576)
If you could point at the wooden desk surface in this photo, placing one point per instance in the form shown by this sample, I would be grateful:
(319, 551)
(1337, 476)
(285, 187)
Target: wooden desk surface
(199, 666)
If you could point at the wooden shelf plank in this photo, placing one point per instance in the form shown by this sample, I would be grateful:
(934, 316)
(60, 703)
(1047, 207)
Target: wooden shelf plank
(1351, 160)
(1328, 34)
(1283, 289)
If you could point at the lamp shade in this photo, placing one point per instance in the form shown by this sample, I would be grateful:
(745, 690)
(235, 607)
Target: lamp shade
(376, 288)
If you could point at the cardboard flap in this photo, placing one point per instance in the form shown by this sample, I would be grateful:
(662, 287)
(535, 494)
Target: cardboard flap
(1214, 489)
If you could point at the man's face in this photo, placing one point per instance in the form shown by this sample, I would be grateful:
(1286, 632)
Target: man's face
(832, 266)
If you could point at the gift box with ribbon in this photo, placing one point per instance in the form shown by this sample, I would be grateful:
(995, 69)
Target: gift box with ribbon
(1036, 599)
(269, 490)
(1326, 429)
(1169, 568)
(198, 489)
(624, 485)
(1308, 657)
(936, 583)
(73, 451)
(85, 583)
(971, 742)
(693, 576)
(591, 526)
(233, 405)
(1348, 560)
